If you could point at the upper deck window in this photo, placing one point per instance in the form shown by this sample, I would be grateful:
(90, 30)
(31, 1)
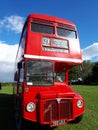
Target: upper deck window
(41, 28)
(66, 33)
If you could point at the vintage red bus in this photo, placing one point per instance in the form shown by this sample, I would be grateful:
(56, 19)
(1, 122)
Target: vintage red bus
(49, 47)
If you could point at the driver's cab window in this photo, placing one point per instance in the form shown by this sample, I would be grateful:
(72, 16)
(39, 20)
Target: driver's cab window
(60, 77)
(21, 71)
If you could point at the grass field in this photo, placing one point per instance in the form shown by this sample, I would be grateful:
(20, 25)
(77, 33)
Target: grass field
(6, 109)
(89, 122)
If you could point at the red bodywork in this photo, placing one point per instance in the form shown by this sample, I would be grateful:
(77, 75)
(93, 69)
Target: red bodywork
(54, 104)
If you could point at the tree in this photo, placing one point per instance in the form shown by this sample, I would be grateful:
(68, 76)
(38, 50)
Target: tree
(95, 73)
(75, 75)
(87, 72)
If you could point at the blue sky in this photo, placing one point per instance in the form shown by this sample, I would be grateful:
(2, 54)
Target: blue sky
(84, 13)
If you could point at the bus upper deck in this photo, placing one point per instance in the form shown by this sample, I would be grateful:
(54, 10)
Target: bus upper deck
(50, 38)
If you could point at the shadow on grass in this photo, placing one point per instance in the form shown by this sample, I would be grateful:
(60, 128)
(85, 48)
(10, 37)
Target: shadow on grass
(7, 121)
(36, 126)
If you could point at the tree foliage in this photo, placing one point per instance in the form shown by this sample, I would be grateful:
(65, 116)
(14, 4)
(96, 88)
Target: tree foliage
(74, 73)
(95, 73)
(89, 72)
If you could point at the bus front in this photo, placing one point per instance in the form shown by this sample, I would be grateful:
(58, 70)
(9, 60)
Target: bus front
(51, 49)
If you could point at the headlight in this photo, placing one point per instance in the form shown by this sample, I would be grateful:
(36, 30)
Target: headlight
(46, 41)
(30, 107)
(79, 103)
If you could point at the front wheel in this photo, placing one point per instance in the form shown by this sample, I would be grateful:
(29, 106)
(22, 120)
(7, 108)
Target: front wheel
(19, 121)
(22, 124)
(78, 119)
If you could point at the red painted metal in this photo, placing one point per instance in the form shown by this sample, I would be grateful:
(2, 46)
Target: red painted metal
(56, 102)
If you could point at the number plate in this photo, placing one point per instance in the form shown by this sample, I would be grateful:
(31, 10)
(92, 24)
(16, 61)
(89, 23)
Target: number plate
(57, 123)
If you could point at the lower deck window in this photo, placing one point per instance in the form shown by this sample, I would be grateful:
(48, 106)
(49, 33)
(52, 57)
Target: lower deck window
(60, 77)
(39, 73)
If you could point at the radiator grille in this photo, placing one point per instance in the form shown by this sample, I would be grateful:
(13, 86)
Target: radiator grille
(65, 109)
(54, 110)
(50, 110)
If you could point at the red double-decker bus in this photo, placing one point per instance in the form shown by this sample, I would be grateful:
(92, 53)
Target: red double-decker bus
(49, 47)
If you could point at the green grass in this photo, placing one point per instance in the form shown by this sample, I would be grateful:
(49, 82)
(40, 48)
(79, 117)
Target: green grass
(90, 118)
(6, 89)
(6, 108)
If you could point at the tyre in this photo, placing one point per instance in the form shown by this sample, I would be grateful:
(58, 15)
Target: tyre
(19, 121)
(77, 120)
(22, 124)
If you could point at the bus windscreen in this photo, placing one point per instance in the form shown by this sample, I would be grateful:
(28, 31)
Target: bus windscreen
(39, 73)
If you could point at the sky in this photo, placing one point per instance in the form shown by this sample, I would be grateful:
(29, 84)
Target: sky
(13, 13)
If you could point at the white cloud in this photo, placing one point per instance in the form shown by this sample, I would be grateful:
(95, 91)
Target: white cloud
(7, 61)
(6, 71)
(90, 52)
(12, 23)
(7, 51)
